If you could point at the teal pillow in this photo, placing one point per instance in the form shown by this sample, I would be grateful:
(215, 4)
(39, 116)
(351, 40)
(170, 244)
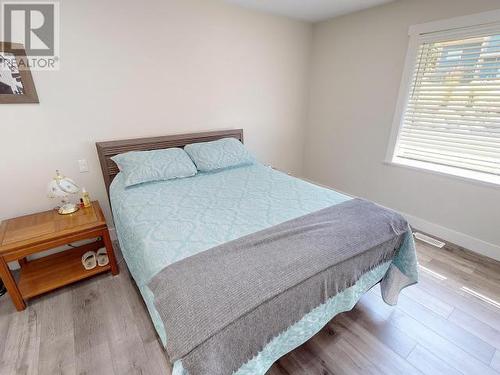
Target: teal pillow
(158, 165)
(224, 153)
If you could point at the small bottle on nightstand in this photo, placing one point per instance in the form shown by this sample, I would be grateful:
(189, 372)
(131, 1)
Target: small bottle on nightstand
(86, 198)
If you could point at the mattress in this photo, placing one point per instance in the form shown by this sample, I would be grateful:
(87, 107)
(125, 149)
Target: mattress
(163, 222)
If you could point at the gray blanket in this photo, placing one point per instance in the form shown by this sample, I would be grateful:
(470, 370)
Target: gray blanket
(222, 306)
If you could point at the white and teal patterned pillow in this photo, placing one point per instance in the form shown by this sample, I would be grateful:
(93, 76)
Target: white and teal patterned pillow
(158, 165)
(224, 153)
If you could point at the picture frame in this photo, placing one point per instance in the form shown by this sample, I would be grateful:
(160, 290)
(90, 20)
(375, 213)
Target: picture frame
(16, 81)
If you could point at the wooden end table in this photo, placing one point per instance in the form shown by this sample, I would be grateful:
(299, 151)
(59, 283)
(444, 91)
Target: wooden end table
(26, 235)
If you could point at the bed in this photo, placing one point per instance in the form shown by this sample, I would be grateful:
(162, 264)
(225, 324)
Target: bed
(161, 223)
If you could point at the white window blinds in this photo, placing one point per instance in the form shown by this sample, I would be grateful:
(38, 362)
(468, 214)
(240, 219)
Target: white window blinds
(452, 114)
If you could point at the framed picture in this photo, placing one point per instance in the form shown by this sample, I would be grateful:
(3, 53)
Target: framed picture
(16, 82)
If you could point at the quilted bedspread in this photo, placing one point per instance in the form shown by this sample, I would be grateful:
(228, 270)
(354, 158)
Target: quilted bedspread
(163, 222)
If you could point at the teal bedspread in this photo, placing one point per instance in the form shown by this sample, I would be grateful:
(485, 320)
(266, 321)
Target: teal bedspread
(163, 222)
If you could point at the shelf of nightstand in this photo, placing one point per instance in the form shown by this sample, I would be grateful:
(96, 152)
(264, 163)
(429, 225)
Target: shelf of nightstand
(57, 270)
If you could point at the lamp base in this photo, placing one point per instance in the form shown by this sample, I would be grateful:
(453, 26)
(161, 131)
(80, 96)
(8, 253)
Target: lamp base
(68, 208)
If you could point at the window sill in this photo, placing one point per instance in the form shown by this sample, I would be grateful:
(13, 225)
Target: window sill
(484, 179)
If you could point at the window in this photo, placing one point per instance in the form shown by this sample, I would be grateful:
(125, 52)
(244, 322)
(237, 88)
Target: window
(449, 115)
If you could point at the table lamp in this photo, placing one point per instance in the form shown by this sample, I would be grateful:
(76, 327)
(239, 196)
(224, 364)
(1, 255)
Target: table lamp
(61, 187)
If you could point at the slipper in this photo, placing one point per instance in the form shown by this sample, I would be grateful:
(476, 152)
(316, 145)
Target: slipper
(89, 260)
(102, 257)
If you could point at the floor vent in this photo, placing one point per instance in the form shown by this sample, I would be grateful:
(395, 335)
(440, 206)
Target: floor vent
(429, 240)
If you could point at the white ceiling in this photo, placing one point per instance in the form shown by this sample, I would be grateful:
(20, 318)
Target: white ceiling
(309, 10)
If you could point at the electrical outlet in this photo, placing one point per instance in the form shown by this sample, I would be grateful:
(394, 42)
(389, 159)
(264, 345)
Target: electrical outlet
(83, 166)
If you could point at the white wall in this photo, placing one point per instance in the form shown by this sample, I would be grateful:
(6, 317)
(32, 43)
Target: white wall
(134, 69)
(357, 63)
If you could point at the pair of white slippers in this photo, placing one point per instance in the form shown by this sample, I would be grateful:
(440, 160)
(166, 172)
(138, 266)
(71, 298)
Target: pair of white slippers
(92, 259)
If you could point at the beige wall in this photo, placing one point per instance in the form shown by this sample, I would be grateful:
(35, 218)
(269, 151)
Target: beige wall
(132, 69)
(173, 66)
(357, 65)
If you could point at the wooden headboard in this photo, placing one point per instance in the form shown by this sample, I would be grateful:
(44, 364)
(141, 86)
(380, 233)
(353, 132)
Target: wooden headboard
(106, 150)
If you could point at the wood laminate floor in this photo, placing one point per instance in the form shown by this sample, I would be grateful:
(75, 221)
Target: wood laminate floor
(448, 324)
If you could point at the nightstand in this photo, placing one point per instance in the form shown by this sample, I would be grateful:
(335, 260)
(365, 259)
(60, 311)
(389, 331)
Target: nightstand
(27, 235)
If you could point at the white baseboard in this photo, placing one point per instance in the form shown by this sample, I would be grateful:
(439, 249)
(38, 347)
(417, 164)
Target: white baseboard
(457, 238)
(461, 239)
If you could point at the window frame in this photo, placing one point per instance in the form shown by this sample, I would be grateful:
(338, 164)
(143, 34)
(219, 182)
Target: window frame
(454, 28)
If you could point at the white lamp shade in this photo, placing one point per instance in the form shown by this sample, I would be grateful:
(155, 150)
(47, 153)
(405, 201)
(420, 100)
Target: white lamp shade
(61, 187)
